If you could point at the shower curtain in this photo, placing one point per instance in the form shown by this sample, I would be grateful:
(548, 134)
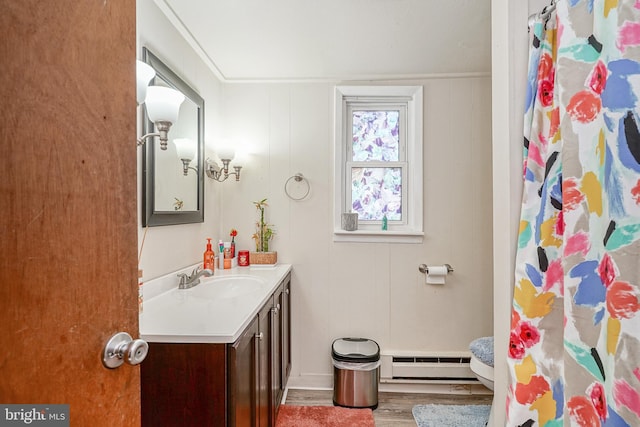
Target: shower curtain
(574, 350)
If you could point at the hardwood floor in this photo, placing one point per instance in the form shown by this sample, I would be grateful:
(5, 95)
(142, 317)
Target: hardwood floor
(394, 409)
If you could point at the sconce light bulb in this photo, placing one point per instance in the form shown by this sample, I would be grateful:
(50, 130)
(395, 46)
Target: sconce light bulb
(185, 148)
(144, 74)
(163, 104)
(226, 154)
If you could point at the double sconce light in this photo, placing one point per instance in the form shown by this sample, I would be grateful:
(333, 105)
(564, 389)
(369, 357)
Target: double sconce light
(221, 174)
(162, 103)
(163, 107)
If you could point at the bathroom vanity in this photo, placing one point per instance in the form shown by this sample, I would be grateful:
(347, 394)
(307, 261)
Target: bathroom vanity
(220, 356)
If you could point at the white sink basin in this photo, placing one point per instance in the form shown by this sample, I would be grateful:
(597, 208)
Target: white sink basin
(227, 287)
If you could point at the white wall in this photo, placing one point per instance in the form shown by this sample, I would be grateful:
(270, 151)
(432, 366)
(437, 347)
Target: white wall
(370, 290)
(169, 248)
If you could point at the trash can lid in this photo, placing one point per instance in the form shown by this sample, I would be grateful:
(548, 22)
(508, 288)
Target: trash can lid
(355, 350)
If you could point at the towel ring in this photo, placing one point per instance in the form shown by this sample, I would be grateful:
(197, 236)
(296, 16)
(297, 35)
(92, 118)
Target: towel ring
(297, 178)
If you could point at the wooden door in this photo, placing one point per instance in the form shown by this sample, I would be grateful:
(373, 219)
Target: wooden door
(68, 234)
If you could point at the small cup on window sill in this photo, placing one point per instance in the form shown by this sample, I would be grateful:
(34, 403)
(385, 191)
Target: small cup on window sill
(350, 221)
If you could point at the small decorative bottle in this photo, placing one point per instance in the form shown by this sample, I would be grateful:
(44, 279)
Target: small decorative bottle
(209, 257)
(384, 222)
(233, 235)
(221, 255)
(228, 259)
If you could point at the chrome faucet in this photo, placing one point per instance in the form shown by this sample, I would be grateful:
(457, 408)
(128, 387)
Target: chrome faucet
(190, 280)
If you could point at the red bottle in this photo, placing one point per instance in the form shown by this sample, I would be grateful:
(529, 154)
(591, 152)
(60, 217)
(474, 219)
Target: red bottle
(209, 257)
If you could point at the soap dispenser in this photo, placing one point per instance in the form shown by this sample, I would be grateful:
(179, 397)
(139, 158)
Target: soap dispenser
(209, 256)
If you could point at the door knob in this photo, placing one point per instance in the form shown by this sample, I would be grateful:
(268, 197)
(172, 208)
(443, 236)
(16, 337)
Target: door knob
(122, 348)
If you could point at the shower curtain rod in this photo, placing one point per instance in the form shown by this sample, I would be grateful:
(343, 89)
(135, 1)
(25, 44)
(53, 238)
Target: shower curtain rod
(544, 14)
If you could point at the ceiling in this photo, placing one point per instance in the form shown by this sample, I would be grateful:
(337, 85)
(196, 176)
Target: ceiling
(244, 40)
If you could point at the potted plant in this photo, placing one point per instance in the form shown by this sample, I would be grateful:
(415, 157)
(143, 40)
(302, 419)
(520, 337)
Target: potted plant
(264, 233)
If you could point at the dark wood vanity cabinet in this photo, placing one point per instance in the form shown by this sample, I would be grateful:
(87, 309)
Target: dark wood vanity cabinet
(230, 385)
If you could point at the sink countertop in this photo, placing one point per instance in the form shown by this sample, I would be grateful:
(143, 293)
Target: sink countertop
(180, 316)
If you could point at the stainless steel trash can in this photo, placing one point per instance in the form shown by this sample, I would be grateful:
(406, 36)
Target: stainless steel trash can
(356, 372)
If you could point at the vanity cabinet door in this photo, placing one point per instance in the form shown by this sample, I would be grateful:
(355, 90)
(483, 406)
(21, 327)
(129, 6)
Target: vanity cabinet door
(281, 353)
(183, 385)
(285, 325)
(265, 408)
(276, 353)
(276, 362)
(243, 377)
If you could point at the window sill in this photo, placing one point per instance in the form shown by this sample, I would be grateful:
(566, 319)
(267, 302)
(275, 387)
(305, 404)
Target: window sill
(378, 236)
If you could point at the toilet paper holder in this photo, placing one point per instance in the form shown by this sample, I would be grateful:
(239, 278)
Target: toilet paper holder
(425, 269)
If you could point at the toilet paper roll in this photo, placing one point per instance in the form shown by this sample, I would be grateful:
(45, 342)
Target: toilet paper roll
(436, 274)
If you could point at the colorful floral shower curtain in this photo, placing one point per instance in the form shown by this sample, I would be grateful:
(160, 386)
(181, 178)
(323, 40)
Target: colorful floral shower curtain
(574, 352)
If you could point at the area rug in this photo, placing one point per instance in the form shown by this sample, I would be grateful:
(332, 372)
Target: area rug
(451, 415)
(323, 416)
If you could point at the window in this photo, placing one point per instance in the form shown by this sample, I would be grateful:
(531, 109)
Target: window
(378, 162)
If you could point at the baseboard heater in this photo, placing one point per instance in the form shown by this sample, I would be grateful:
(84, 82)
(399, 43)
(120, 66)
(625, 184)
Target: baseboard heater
(432, 368)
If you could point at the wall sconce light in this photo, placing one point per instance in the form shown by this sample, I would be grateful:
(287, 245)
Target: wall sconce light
(162, 103)
(186, 151)
(221, 174)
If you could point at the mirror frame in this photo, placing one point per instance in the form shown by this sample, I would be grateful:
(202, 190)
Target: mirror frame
(150, 216)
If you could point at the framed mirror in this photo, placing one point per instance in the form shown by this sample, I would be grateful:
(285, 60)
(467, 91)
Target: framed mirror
(172, 192)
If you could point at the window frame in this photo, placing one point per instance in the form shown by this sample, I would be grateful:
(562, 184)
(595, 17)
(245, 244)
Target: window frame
(401, 163)
(348, 98)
